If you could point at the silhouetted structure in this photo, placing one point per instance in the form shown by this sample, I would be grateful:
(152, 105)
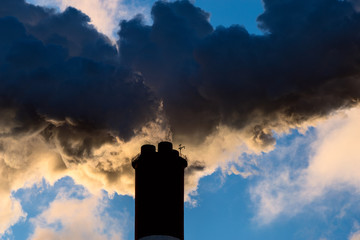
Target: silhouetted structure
(159, 193)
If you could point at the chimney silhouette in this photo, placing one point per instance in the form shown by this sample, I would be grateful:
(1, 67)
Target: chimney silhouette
(159, 193)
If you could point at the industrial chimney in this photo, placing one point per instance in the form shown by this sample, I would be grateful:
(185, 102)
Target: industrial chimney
(159, 193)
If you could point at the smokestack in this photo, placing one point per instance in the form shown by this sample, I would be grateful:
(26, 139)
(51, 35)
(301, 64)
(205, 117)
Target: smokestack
(159, 193)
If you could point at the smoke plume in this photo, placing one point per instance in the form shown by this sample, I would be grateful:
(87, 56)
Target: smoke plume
(72, 103)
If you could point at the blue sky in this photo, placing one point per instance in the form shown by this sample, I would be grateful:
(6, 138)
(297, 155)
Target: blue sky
(243, 12)
(306, 186)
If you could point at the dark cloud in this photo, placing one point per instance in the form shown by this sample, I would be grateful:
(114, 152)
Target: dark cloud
(70, 29)
(164, 54)
(305, 65)
(63, 79)
(80, 95)
(26, 13)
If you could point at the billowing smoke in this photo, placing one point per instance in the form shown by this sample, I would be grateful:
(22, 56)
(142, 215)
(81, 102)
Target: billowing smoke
(67, 106)
(73, 104)
(303, 67)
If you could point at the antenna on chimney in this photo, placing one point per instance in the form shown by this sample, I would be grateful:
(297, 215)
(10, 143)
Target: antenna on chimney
(181, 147)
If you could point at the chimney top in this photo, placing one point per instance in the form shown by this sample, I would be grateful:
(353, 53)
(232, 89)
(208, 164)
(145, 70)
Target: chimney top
(147, 148)
(165, 147)
(162, 156)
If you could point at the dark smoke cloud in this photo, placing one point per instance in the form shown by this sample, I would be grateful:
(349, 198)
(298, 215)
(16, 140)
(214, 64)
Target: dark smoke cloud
(63, 80)
(164, 54)
(26, 13)
(304, 66)
(70, 29)
(60, 76)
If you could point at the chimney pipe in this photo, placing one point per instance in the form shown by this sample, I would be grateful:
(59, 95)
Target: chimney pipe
(159, 193)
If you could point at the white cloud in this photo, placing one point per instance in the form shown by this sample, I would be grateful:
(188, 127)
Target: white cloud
(24, 160)
(77, 219)
(10, 213)
(334, 164)
(105, 14)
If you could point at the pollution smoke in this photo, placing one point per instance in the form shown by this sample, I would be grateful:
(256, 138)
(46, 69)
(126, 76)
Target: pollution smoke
(72, 103)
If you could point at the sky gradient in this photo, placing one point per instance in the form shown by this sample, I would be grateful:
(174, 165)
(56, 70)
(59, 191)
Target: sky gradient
(264, 95)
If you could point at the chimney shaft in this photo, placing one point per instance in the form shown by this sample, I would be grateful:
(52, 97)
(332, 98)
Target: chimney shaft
(159, 193)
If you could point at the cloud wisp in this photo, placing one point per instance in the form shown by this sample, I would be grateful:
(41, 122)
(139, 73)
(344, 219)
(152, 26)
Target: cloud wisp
(72, 103)
(333, 163)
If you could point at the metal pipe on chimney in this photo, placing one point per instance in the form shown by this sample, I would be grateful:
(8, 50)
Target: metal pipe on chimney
(159, 193)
